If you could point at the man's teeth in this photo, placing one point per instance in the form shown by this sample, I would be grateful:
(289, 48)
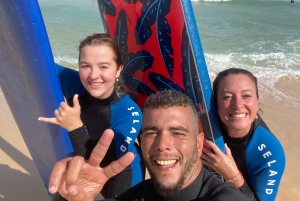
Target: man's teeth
(238, 115)
(168, 162)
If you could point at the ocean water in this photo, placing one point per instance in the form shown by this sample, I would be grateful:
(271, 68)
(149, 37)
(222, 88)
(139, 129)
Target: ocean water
(261, 36)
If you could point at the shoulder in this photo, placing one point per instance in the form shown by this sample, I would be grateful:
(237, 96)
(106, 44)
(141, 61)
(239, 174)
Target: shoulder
(125, 99)
(125, 106)
(215, 189)
(229, 192)
(264, 143)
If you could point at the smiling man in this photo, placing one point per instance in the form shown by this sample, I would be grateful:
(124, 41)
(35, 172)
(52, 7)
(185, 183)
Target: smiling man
(171, 145)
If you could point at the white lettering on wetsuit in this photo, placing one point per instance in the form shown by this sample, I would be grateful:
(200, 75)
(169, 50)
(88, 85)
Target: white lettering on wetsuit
(266, 155)
(133, 129)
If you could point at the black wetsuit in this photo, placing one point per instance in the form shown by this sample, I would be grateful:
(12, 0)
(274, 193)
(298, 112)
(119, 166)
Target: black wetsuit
(206, 187)
(124, 117)
(260, 158)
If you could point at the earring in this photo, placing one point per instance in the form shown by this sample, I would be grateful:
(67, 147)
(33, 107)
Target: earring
(117, 79)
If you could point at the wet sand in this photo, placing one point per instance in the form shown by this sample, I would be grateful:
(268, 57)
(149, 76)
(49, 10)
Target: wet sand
(20, 179)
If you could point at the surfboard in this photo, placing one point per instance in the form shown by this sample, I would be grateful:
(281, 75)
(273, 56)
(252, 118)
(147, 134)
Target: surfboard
(30, 84)
(161, 49)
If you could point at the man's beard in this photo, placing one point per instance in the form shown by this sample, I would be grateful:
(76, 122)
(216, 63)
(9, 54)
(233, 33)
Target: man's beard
(171, 191)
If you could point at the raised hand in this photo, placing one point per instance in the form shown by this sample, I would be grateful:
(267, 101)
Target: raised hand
(78, 180)
(66, 116)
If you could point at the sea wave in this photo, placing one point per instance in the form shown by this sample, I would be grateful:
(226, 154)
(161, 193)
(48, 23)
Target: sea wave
(67, 61)
(269, 64)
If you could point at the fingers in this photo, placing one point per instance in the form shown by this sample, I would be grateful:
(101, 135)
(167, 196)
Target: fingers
(76, 102)
(74, 169)
(214, 148)
(206, 156)
(211, 154)
(57, 173)
(206, 163)
(63, 107)
(48, 120)
(101, 148)
(117, 166)
(205, 144)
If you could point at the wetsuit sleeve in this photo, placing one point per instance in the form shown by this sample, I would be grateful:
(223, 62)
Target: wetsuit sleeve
(79, 138)
(247, 191)
(266, 162)
(126, 121)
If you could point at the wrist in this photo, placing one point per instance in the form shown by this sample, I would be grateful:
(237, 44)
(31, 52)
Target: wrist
(236, 178)
(75, 127)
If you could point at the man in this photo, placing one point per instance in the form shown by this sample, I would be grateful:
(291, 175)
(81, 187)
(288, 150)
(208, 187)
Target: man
(171, 145)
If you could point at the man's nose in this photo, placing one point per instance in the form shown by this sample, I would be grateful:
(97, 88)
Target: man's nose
(164, 141)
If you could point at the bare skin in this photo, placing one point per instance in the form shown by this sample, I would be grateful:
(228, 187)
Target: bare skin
(78, 180)
(66, 116)
(169, 143)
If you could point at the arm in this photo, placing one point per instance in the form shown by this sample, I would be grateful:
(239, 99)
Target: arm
(126, 122)
(68, 117)
(79, 137)
(78, 180)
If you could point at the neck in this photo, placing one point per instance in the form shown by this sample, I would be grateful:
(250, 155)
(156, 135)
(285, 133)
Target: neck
(236, 133)
(193, 174)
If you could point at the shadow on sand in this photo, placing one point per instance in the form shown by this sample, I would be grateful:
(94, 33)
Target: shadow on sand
(17, 185)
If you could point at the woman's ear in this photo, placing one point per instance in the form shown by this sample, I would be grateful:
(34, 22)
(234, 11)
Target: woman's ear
(119, 70)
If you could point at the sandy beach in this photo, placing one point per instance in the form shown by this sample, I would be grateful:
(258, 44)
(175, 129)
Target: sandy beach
(20, 179)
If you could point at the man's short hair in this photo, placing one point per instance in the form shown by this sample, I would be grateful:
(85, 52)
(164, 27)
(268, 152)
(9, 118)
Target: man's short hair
(172, 98)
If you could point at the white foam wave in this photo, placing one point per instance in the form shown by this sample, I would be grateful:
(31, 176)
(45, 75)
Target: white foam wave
(278, 64)
(275, 60)
(66, 61)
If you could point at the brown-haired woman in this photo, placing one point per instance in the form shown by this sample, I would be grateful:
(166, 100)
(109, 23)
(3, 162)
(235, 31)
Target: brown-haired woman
(254, 160)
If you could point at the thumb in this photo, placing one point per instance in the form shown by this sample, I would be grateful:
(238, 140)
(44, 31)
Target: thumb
(76, 193)
(76, 102)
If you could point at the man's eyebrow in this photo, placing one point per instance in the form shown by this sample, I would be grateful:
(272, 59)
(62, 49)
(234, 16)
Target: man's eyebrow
(149, 128)
(171, 128)
(178, 128)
